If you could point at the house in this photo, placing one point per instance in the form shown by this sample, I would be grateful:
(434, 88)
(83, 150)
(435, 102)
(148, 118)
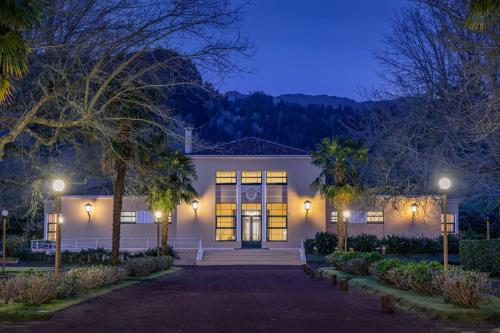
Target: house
(253, 194)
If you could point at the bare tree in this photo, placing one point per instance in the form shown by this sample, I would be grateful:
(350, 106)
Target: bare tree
(102, 71)
(442, 117)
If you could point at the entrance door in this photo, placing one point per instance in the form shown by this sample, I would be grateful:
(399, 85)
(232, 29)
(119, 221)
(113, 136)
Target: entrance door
(251, 230)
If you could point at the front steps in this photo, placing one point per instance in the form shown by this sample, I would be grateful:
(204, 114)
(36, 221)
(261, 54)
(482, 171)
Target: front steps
(251, 257)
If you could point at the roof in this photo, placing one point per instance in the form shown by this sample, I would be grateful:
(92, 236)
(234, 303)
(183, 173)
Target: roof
(251, 146)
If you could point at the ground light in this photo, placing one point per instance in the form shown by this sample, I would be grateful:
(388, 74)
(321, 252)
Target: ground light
(444, 185)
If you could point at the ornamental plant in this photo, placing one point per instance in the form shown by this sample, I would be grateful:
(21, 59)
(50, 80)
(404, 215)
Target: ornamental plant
(462, 287)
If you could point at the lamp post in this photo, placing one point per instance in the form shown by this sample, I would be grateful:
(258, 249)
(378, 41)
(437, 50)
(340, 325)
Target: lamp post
(5, 213)
(307, 207)
(158, 216)
(444, 185)
(347, 215)
(58, 186)
(488, 228)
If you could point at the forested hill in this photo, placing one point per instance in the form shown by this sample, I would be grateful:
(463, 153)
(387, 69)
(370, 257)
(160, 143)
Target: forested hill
(294, 120)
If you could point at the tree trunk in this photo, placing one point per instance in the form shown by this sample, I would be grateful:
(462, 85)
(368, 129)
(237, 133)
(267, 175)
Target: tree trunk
(118, 189)
(340, 230)
(164, 235)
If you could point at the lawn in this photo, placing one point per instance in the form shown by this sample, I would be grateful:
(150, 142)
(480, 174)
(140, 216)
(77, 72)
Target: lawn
(19, 312)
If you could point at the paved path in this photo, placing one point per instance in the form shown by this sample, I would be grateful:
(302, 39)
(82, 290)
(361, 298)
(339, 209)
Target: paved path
(232, 299)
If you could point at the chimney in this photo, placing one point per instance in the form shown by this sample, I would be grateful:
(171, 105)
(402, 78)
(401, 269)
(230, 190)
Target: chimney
(188, 140)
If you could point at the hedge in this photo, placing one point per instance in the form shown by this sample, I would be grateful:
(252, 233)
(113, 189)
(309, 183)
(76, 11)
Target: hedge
(481, 255)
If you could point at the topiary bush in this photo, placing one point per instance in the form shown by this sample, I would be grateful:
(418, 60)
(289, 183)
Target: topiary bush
(462, 287)
(82, 280)
(481, 255)
(324, 242)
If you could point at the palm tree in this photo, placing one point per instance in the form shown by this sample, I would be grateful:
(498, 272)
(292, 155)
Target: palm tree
(483, 14)
(15, 16)
(338, 161)
(172, 186)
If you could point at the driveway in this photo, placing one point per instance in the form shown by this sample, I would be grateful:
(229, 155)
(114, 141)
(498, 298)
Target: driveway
(232, 299)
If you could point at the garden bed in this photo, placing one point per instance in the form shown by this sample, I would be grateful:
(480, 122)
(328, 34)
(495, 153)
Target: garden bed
(431, 305)
(20, 312)
(329, 271)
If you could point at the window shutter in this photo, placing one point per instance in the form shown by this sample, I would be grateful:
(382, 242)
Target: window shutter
(144, 217)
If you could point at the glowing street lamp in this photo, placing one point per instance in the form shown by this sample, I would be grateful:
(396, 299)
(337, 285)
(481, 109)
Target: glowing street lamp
(347, 215)
(444, 185)
(58, 186)
(5, 213)
(413, 208)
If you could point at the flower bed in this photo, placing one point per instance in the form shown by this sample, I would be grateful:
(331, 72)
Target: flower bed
(356, 263)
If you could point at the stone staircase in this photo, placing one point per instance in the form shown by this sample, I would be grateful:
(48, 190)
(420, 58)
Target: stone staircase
(251, 257)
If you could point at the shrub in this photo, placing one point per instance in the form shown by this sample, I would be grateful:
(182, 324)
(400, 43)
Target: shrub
(147, 265)
(481, 255)
(83, 279)
(462, 287)
(363, 242)
(17, 246)
(324, 242)
(31, 289)
(416, 276)
(380, 268)
(356, 263)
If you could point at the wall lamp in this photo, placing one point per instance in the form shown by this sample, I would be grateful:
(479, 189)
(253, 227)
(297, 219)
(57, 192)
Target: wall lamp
(88, 209)
(307, 207)
(195, 204)
(413, 208)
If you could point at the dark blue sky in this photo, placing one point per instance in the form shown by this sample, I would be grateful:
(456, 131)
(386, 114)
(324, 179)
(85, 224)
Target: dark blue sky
(314, 46)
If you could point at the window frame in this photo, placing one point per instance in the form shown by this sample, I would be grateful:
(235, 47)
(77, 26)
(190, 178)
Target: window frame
(51, 218)
(268, 216)
(367, 216)
(217, 177)
(268, 178)
(252, 177)
(234, 216)
(128, 216)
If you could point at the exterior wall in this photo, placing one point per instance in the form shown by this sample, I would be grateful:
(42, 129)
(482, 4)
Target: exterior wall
(77, 225)
(300, 175)
(399, 219)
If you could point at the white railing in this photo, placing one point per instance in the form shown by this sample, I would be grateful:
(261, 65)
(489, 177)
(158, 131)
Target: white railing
(199, 254)
(302, 251)
(126, 244)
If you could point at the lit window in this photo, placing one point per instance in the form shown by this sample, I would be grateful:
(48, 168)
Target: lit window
(334, 217)
(276, 177)
(450, 223)
(225, 177)
(375, 216)
(277, 230)
(127, 217)
(225, 219)
(251, 177)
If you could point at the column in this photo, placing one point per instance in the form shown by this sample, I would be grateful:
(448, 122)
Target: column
(238, 206)
(264, 208)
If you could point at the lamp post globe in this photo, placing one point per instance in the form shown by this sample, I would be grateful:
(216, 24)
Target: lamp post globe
(444, 183)
(5, 213)
(58, 185)
(346, 213)
(158, 215)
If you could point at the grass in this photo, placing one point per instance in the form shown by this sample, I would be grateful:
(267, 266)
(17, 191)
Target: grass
(432, 306)
(20, 312)
(328, 271)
